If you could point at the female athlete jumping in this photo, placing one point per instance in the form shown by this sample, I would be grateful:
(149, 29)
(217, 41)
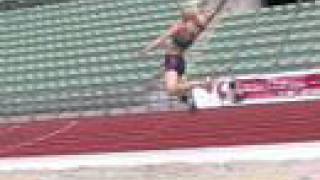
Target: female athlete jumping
(176, 41)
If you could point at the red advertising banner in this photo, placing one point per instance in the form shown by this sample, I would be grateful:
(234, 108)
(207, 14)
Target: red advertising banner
(279, 87)
(260, 89)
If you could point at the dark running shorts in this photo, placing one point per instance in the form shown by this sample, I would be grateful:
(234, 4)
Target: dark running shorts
(175, 63)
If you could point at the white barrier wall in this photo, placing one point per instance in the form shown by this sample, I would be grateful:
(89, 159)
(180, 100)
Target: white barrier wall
(260, 89)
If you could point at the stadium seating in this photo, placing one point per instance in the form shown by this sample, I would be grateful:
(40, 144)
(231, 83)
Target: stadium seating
(80, 55)
(264, 41)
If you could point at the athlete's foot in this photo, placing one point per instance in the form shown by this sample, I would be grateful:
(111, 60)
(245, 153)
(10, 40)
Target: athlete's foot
(184, 99)
(192, 106)
(189, 102)
(233, 92)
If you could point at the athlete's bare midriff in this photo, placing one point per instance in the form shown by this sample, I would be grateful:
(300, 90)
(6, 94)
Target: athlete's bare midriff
(174, 49)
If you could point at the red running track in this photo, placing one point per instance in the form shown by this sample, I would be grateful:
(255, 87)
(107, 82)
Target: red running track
(295, 122)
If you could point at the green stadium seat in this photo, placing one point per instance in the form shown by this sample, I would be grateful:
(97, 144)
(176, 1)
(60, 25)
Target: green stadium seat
(58, 48)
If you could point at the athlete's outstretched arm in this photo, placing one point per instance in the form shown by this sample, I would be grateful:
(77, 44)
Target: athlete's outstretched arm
(213, 14)
(206, 17)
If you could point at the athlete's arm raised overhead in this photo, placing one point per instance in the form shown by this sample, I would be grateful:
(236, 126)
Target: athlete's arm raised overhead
(219, 8)
(206, 16)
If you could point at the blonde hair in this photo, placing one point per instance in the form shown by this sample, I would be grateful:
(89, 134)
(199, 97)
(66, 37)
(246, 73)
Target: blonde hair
(189, 8)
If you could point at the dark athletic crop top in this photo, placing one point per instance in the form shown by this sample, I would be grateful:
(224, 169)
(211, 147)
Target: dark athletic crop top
(180, 38)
